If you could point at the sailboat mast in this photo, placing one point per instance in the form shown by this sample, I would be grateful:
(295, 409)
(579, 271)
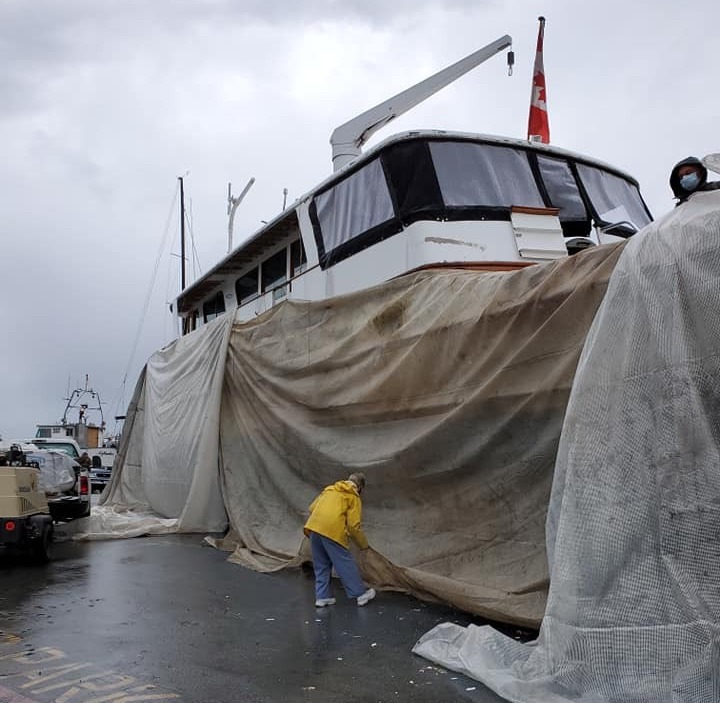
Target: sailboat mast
(182, 234)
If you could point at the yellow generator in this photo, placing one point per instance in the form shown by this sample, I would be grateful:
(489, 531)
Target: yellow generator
(25, 521)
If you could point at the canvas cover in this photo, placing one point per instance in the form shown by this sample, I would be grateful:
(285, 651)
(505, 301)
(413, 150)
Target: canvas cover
(447, 388)
(633, 611)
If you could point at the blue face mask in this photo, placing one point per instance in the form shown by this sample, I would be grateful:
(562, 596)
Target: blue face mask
(690, 181)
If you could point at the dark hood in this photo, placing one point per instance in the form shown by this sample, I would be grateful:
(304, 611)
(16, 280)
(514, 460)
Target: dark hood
(677, 189)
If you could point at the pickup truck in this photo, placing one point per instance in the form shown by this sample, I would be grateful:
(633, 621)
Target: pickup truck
(102, 458)
(65, 482)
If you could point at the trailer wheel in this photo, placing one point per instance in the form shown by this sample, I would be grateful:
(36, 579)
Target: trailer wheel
(42, 546)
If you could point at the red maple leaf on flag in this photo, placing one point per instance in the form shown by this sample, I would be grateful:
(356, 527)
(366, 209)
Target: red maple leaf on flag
(538, 123)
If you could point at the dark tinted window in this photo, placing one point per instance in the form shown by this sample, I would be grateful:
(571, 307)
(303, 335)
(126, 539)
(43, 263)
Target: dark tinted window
(246, 287)
(412, 178)
(562, 188)
(274, 270)
(214, 307)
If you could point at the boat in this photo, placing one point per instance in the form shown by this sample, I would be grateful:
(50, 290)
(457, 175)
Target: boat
(82, 429)
(418, 316)
(418, 200)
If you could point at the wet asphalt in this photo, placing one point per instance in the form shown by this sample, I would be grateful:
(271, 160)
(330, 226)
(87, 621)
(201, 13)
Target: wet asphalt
(168, 618)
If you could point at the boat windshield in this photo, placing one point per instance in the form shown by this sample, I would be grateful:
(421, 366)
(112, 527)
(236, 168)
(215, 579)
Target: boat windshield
(613, 198)
(429, 178)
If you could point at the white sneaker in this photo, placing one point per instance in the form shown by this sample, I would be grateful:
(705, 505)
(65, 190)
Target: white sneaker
(322, 602)
(366, 597)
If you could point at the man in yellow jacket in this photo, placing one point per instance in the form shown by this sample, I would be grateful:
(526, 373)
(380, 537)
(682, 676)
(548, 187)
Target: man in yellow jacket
(335, 516)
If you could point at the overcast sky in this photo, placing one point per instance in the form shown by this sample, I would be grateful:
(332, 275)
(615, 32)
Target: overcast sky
(104, 103)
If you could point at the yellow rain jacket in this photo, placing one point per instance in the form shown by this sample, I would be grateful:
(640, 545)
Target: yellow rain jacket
(336, 514)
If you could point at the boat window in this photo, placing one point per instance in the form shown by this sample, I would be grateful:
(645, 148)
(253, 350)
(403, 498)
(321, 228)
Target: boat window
(298, 258)
(43, 432)
(481, 175)
(413, 182)
(190, 323)
(355, 205)
(613, 198)
(274, 270)
(247, 287)
(564, 194)
(214, 307)
(561, 187)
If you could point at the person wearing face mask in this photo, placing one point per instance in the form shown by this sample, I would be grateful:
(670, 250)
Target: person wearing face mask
(690, 176)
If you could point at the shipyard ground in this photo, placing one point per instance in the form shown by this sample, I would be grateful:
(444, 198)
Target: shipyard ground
(168, 618)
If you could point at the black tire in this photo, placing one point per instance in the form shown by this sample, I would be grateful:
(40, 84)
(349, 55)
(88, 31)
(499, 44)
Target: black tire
(41, 547)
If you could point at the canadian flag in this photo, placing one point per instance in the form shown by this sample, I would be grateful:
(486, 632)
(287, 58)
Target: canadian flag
(538, 124)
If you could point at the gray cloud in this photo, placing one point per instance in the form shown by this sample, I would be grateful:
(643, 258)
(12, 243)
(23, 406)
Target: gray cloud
(105, 103)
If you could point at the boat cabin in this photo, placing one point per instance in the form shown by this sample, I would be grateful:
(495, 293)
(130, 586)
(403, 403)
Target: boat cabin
(417, 200)
(82, 421)
(85, 434)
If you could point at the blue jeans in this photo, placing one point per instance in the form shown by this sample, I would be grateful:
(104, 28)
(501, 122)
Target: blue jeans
(327, 554)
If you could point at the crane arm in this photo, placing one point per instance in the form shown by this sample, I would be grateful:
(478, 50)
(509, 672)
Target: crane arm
(347, 139)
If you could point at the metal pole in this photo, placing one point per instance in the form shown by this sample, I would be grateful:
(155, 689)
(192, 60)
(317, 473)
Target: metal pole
(182, 234)
(232, 207)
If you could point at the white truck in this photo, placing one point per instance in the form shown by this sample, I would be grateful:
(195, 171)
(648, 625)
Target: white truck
(101, 458)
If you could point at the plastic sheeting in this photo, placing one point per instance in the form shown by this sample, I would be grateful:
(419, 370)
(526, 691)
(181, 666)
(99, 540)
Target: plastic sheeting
(633, 529)
(116, 522)
(56, 470)
(447, 388)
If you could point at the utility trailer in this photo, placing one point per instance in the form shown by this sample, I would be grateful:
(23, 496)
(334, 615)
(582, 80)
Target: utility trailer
(25, 521)
(38, 488)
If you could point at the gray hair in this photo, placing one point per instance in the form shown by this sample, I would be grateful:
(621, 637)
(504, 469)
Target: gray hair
(358, 479)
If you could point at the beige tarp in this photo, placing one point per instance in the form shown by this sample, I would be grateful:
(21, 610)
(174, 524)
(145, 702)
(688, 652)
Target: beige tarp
(447, 388)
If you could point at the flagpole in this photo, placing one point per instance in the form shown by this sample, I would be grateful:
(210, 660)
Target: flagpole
(538, 123)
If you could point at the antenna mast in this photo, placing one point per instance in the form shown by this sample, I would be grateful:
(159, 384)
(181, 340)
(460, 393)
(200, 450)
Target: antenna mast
(182, 234)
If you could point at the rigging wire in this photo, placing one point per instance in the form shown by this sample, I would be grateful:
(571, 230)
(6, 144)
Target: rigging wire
(195, 260)
(171, 284)
(163, 245)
